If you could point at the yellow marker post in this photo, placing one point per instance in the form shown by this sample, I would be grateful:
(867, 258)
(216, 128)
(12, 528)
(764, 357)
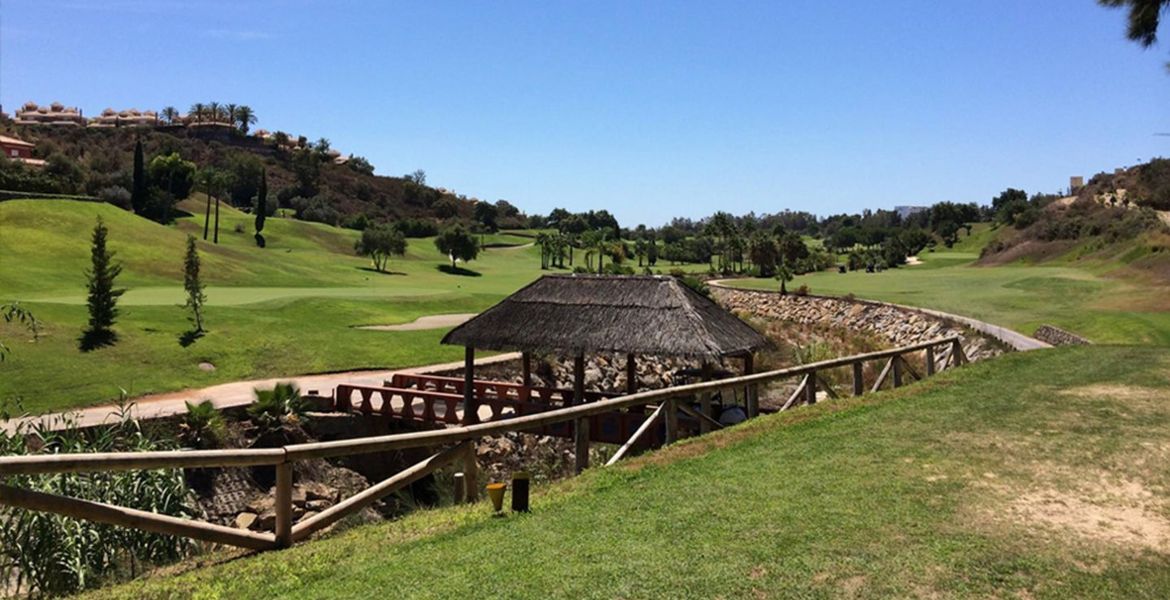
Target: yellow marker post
(496, 493)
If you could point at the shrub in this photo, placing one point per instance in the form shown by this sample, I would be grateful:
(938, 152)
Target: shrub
(802, 290)
(202, 427)
(417, 228)
(116, 195)
(315, 209)
(272, 407)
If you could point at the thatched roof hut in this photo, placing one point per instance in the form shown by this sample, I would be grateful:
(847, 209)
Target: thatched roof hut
(572, 315)
(579, 315)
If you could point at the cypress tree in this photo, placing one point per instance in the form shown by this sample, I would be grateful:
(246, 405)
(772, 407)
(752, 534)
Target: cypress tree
(138, 194)
(261, 207)
(103, 297)
(193, 285)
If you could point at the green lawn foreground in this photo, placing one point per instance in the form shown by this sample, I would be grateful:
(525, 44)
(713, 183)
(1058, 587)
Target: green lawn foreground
(1036, 475)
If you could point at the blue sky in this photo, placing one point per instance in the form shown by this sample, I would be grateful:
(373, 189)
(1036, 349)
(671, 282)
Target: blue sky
(648, 109)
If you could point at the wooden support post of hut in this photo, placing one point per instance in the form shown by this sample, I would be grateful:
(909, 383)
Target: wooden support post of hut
(751, 402)
(526, 367)
(929, 361)
(897, 370)
(631, 374)
(858, 378)
(705, 399)
(580, 316)
(470, 417)
(581, 426)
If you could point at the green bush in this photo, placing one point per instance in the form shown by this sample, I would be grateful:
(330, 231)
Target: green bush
(272, 407)
(202, 427)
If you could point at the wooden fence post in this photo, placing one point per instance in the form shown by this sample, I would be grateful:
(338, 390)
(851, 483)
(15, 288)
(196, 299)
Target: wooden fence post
(671, 420)
(284, 505)
(858, 378)
(810, 388)
(957, 352)
(897, 370)
(929, 361)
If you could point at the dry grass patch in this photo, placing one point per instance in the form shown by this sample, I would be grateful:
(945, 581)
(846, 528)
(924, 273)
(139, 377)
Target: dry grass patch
(1096, 507)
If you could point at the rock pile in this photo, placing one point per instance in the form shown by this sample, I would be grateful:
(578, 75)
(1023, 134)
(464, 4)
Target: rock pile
(900, 326)
(308, 499)
(1059, 337)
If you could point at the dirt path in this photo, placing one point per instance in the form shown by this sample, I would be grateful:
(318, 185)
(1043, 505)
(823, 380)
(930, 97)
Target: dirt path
(427, 322)
(234, 394)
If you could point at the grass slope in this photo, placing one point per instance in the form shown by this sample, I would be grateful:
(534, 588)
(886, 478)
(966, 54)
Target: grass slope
(1081, 297)
(1038, 475)
(288, 309)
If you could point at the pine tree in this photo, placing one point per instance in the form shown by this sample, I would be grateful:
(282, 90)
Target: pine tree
(138, 195)
(103, 297)
(261, 207)
(193, 285)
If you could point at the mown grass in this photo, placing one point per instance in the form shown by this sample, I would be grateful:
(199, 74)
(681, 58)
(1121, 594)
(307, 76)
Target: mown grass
(1080, 297)
(922, 492)
(287, 309)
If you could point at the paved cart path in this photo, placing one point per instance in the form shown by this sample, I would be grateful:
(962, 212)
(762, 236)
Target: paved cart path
(233, 394)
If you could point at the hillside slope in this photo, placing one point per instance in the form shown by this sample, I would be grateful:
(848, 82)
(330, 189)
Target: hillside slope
(290, 308)
(995, 480)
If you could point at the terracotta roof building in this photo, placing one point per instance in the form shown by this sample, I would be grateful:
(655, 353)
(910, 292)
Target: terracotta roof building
(53, 114)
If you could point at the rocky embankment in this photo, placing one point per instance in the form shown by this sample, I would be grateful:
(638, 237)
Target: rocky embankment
(900, 326)
(1059, 337)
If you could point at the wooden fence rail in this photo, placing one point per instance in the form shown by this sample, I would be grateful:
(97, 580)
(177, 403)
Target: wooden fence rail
(458, 440)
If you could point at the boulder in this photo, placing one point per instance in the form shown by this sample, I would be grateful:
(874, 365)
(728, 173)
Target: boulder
(245, 520)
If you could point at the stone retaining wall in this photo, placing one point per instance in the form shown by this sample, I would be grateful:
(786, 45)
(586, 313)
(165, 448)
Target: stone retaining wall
(900, 326)
(1059, 337)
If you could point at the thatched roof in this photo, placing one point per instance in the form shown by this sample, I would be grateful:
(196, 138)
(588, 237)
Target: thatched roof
(568, 314)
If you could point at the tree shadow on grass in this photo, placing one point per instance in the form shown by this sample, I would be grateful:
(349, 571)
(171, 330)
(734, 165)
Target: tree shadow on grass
(91, 340)
(372, 270)
(189, 337)
(448, 269)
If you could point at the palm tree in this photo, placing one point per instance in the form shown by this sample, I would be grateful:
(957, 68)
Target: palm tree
(215, 110)
(544, 242)
(170, 114)
(1144, 16)
(197, 111)
(230, 112)
(246, 118)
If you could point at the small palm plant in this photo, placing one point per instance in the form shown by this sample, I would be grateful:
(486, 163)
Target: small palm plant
(202, 426)
(274, 406)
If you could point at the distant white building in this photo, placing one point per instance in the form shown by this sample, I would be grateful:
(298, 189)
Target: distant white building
(906, 211)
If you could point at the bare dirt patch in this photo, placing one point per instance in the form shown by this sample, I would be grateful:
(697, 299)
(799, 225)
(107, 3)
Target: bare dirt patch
(1101, 511)
(1117, 392)
(1095, 519)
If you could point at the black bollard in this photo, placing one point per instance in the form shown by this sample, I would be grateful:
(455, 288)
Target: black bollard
(520, 492)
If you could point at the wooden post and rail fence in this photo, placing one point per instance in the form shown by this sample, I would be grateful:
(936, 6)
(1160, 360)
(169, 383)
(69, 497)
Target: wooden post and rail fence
(458, 443)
